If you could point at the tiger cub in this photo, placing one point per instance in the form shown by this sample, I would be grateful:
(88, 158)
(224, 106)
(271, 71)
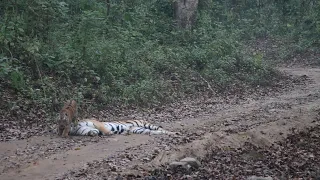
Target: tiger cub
(68, 115)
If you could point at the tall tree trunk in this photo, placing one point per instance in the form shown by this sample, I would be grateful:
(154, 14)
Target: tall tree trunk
(108, 7)
(185, 12)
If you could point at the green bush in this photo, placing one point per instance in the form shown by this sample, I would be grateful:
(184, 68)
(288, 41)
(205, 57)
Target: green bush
(133, 54)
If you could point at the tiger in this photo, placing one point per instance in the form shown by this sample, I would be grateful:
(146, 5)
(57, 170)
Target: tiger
(93, 127)
(68, 115)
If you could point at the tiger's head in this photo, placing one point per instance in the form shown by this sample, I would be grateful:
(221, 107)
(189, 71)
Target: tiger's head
(68, 112)
(64, 116)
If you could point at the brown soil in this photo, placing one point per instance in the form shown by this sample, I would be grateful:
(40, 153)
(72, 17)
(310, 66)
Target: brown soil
(223, 124)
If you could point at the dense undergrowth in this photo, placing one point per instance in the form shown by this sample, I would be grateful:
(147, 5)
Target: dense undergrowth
(131, 53)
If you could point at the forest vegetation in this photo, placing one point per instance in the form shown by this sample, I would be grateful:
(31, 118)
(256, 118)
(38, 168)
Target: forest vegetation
(110, 52)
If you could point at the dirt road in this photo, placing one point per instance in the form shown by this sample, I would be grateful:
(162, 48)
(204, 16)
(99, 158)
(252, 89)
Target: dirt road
(262, 122)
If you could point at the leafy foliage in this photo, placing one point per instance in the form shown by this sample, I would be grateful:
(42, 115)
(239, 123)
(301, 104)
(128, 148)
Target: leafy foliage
(132, 53)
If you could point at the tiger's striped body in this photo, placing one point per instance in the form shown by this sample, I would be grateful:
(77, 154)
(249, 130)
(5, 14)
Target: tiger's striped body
(67, 114)
(92, 127)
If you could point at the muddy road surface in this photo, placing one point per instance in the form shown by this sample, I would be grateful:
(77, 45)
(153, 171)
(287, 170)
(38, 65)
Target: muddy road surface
(260, 121)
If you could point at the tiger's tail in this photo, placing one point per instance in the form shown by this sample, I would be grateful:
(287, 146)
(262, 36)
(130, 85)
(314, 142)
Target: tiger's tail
(142, 130)
(143, 124)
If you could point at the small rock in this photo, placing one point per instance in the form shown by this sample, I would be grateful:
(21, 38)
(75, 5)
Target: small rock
(113, 168)
(199, 133)
(248, 171)
(156, 151)
(150, 178)
(259, 178)
(186, 177)
(191, 161)
(119, 178)
(311, 155)
(176, 164)
(146, 159)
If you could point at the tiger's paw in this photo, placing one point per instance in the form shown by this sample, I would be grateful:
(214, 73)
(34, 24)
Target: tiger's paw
(93, 133)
